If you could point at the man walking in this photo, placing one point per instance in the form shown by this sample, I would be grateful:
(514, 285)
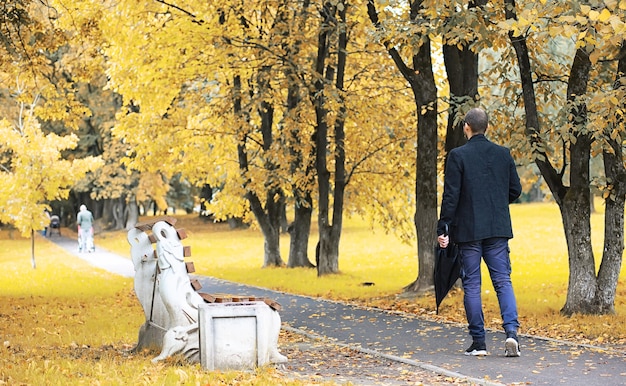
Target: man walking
(480, 182)
(84, 220)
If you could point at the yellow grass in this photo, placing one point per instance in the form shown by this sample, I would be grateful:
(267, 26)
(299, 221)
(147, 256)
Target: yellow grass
(366, 255)
(540, 276)
(67, 323)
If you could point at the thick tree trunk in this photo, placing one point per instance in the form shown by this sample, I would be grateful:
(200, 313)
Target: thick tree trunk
(614, 169)
(269, 222)
(587, 293)
(274, 205)
(425, 94)
(422, 81)
(611, 265)
(328, 261)
(271, 246)
(108, 213)
(582, 280)
(131, 215)
(284, 223)
(112, 213)
(268, 217)
(426, 199)
(329, 229)
(575, 209)
(321, 144)
(533, 124)
(275, 201)
(341, 180)
(300, 231)
(462, 70)
(206, 195)
(118, 210)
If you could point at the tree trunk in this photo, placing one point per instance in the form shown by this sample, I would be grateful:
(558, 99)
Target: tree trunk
(113, 213)
(462, 70)
(299, 232)
(575, 209)
(329, 229)
(271, 246)
(611, 264)
(272, 233)
(131, 214)
(268, 217)
(321, 143)
(422, 81)
(586, 293)
(582, 280)
(108, 211)
(328, 261)
(269, 222)
(533, 124)
(330, 250)
(426, 188)
(284, 223)
(206, 195)
(275, 201)
(613, 250)
(32, 248)
(118, 209)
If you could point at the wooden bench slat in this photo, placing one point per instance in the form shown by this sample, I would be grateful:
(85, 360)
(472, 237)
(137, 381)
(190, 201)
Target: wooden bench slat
(195, 284)
(147, 225)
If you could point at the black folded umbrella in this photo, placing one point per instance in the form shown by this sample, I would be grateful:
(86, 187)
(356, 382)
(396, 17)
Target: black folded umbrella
(447, 269)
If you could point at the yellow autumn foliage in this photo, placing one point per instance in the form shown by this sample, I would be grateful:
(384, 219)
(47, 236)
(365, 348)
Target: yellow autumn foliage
(38, 173)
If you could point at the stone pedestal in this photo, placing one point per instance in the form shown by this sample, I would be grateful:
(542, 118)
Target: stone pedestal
(235, 336)
(238, 333)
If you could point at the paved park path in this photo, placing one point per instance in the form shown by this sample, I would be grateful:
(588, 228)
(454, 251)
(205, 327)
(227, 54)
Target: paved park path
(430, 345)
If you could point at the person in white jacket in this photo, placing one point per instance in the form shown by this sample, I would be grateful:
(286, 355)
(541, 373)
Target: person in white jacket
(84, 220)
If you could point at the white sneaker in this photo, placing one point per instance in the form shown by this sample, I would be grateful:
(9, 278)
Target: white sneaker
(511, 347)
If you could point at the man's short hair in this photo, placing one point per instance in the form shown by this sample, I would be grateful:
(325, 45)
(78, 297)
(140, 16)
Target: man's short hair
(477, 120)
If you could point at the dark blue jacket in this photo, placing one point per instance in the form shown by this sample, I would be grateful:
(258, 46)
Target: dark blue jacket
(480, 182)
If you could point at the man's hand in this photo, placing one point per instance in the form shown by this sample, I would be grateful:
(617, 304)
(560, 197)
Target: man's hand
(443, 240)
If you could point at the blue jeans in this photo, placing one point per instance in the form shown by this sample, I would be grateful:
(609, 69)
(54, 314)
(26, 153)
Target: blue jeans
(495, 252)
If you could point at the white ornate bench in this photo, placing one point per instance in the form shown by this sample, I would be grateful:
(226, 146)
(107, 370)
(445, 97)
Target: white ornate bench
(219, 331)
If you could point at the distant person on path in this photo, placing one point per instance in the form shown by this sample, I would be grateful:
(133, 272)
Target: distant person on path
(480, 182)
(84, 220)
(55, 225)
(46, 230)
